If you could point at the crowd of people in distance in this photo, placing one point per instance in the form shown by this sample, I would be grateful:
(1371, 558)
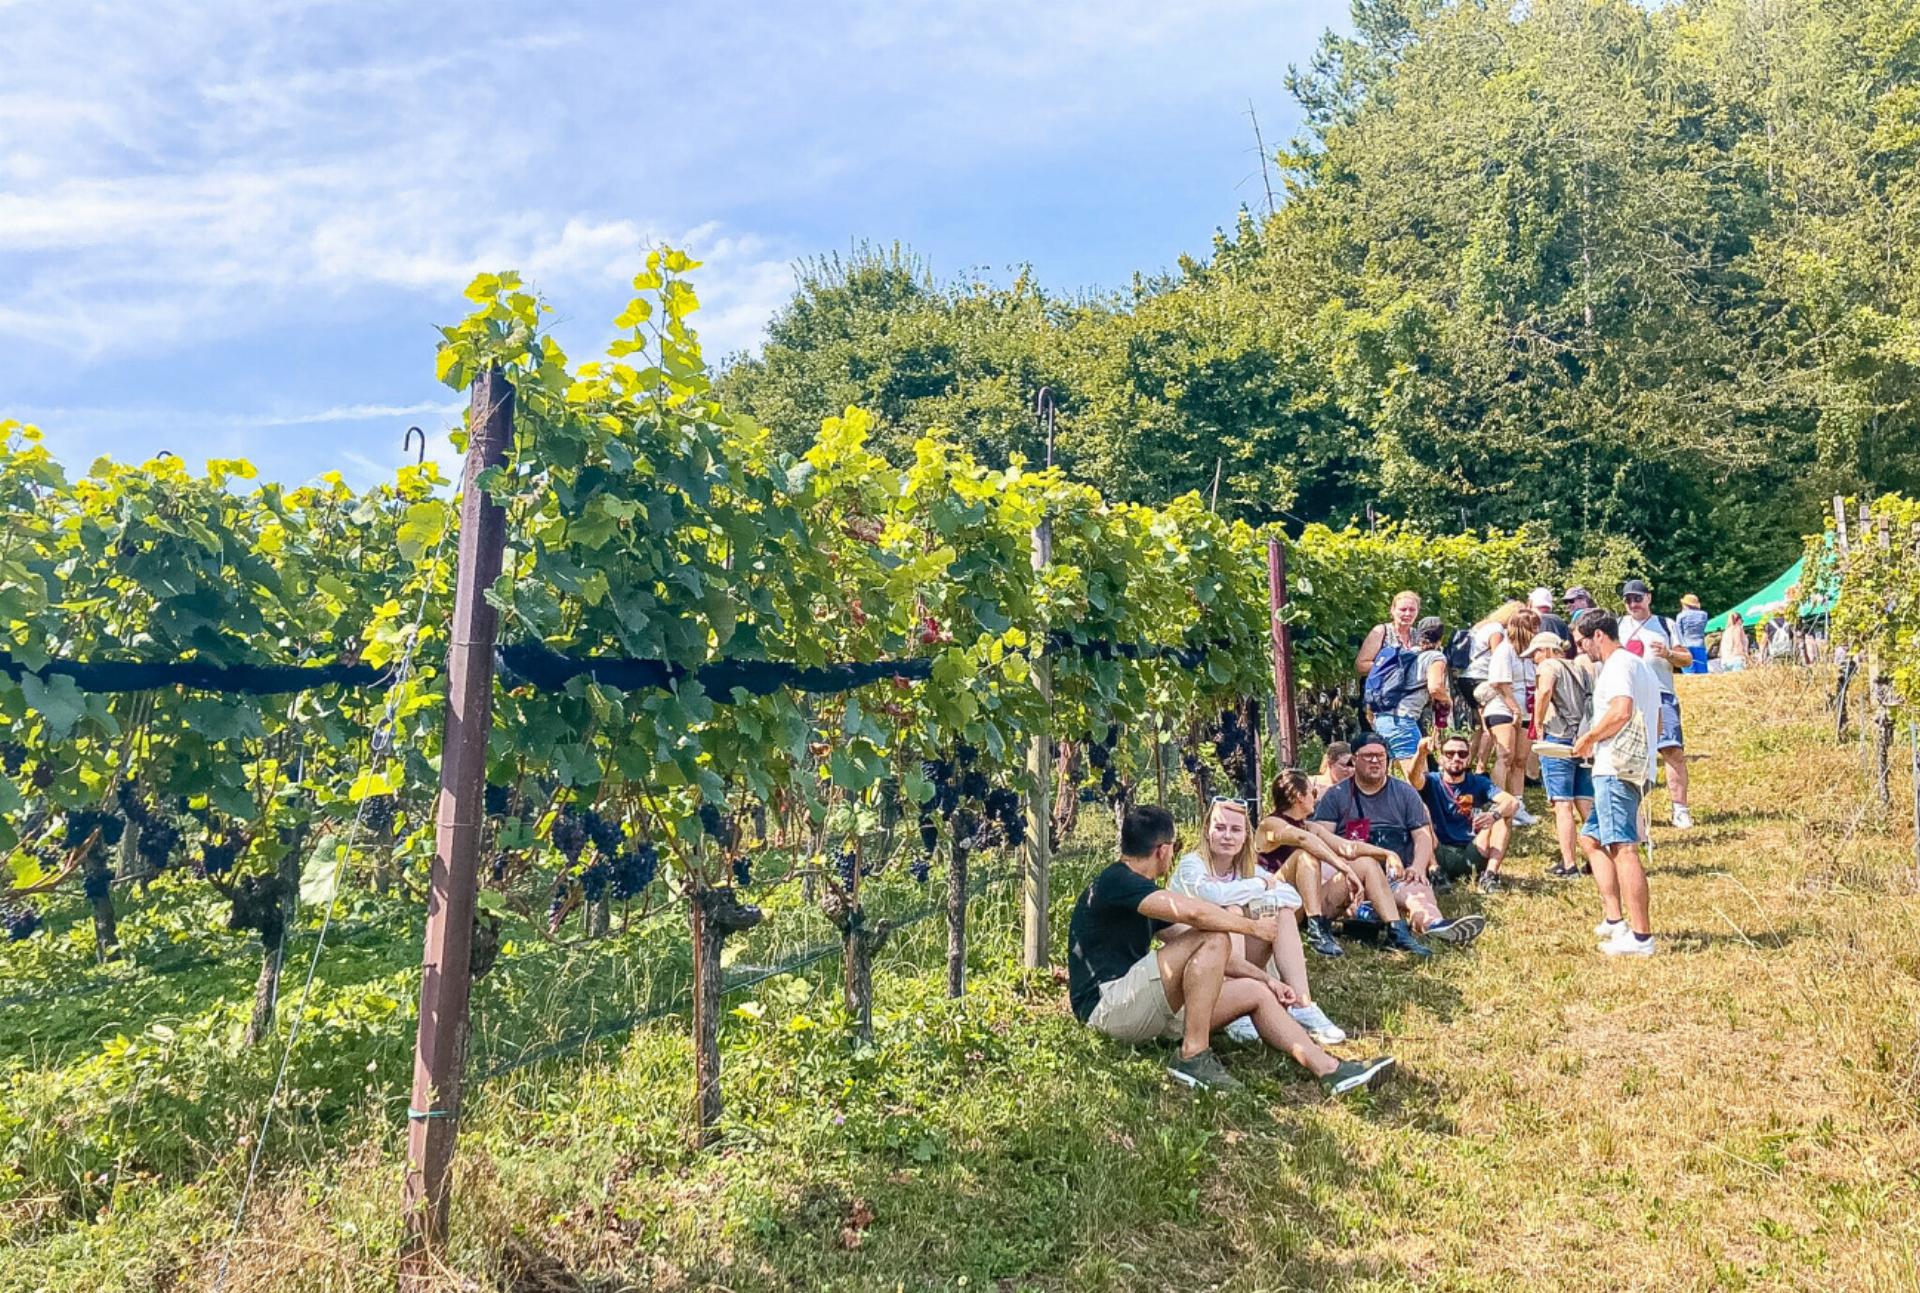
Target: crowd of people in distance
(1424, 802)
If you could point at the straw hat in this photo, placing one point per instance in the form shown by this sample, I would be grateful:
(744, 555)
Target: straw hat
(1691, 600)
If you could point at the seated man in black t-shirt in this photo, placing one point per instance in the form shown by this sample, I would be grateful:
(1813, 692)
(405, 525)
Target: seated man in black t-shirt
(1120, 985)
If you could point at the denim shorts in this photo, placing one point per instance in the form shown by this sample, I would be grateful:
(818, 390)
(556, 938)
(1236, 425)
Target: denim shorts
(1403, 734)
(1566, 779)
(1615, 818)
(1671, 738)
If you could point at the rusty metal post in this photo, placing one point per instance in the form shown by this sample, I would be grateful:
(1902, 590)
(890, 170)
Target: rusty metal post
(440, 1054)
(1289, 753)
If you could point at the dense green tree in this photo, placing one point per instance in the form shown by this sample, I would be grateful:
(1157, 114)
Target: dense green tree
(1640, 274)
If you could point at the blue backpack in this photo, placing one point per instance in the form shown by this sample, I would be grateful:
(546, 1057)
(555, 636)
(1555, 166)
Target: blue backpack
(1395, 675)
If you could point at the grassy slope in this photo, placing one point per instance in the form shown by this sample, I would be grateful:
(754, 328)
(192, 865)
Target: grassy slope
(1737, 1113)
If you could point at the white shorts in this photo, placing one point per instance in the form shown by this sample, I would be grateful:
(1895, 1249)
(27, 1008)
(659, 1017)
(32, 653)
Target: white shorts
(1133, 1007)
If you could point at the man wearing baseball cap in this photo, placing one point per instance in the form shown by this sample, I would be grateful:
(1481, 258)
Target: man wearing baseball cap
(1656, 639)
(1577, 599)
(1541, 600)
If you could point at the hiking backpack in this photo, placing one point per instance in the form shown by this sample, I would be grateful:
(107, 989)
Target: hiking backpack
(1460, 650)
(1395, 675)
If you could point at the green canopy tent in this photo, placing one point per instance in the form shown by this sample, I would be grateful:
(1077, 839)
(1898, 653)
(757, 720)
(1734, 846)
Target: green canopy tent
(1772, 598)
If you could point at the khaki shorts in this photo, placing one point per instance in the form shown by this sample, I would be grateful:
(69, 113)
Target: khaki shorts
(1133, 1007)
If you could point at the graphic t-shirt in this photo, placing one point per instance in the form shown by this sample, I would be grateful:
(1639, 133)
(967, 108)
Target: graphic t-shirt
(1624, 674)
(1653, 636)
(1107, 934)
(1452, 807)
(1387, 817)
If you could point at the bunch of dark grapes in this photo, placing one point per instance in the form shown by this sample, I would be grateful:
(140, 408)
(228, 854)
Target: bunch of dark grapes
(82, 822)
(633, 871)
(606, 835)
(499, 799)
(217, 858)
(498, 867)
(378, 813)
(126, 797)
(21, 922)
(98, 883)
(742, 872)
(713, 822)
(929, 834)
(594, 879)
(13, 757)
(919, 869)
(486, 944)
(845, 864)
(1190, 761)
(158, 838)
(1003, 806)
(946, 790)
(570, 834)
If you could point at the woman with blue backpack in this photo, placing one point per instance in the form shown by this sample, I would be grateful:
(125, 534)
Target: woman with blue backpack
(1403, 687)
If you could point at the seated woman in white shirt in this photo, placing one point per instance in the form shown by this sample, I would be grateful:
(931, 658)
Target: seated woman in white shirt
(1221, 870)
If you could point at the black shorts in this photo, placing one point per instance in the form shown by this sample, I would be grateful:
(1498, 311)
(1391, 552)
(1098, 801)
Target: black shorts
(1458, 861)
(1496, 720)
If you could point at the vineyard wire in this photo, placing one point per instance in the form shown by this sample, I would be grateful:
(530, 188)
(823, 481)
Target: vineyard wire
(379, 743)
(813, 955)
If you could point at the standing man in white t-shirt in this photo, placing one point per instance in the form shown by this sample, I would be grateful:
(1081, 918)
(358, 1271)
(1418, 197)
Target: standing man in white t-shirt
(1656, 638)
(1624, 696)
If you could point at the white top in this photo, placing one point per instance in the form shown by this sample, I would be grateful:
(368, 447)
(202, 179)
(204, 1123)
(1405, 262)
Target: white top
(1624, 674)
(1191, 876)
(1477, 661)
(1652, 635)
(1505, 667)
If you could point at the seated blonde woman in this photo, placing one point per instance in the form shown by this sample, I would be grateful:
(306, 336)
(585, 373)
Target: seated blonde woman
(1221, 870)
(1330, 873)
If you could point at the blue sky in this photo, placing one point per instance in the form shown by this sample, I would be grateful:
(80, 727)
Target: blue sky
(227, 229)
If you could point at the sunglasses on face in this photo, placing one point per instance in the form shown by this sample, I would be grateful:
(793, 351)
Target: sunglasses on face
(1634, 599)
(1454, 754)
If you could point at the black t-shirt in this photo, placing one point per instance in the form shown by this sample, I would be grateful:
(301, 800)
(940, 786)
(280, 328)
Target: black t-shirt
(1551, 623)
(1107, 934)
(1452, 820)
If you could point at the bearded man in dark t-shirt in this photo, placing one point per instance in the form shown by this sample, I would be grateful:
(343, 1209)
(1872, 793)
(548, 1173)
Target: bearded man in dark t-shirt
(1198, 980)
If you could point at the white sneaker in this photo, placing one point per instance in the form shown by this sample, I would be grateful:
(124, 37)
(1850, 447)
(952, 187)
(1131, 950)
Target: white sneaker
(1521, 817)
(1682, 819)
(1606, 929)
(1242, 1030)
(1318, 1026)
(1627, 943)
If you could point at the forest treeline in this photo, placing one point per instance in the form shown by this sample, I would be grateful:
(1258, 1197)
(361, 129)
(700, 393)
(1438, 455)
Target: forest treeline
(1647, 274)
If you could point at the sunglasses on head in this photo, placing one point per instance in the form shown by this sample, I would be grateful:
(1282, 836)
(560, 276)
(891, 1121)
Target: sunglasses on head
(1243, 805)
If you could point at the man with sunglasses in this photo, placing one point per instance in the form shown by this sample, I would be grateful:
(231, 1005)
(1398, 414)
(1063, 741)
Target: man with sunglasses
(1121, 985)
(1656, 640)
(1472, 821)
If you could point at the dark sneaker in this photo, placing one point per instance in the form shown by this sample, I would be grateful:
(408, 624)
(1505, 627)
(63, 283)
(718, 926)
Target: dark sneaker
(1561, 871)
(1352, 1075)
(1203, 1071)
(1401, 939)
(1490, 882)
(1319, 936)
(1460, 931)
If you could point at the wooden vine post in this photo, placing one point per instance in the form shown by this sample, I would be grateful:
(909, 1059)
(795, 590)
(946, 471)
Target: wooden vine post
(440, 1054)
(1845, 664)
(1882, 695)
(1288, 755)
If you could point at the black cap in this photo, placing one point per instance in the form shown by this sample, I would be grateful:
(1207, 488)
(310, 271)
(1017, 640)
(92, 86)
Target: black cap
(1635, 588)
(1365, 739)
